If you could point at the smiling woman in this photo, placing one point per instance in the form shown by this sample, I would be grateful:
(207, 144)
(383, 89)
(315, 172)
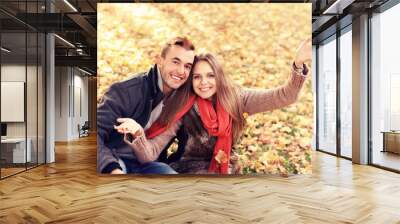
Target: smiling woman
(204, 83)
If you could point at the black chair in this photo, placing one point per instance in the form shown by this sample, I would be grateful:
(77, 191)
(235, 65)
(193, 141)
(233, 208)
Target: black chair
(84, 130)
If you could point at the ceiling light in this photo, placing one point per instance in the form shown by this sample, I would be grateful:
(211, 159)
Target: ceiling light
(84, 71)
(64, 40)
(337, 7)
(71, 6)
(5, 49)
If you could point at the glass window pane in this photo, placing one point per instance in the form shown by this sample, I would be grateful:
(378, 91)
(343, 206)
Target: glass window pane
(385, 89)
(346, 94)
(41, 98)
(22, 88)
(314, 89)
(13, 85)
(31, 97)
(327, 96)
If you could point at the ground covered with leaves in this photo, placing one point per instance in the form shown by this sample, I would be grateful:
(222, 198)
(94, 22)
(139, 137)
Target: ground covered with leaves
(256, 43)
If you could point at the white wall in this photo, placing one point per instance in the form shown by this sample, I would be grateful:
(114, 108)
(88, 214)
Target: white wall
(61, 103)
(13, 73)
(80, 110)
(71, 94)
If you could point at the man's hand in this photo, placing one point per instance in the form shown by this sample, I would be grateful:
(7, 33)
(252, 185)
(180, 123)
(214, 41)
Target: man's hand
(117, 171)
(304, 53)
(129, 126)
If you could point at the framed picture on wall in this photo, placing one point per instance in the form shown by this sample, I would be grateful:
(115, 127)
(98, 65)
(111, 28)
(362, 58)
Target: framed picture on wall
(204, 89)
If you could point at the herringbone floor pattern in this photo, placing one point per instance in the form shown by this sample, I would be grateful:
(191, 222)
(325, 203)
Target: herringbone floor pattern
(70, 191)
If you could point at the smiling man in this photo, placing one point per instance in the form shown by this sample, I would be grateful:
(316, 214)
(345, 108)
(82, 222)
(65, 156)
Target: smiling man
(140, 98)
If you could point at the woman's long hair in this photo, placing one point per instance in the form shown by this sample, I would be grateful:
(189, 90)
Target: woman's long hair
(227, 94)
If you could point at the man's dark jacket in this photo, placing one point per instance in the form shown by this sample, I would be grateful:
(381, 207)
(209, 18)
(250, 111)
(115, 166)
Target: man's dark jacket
(134, 98)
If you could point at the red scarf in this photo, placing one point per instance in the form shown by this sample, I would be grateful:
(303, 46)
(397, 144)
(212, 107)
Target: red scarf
(156, 128)
(218, 123)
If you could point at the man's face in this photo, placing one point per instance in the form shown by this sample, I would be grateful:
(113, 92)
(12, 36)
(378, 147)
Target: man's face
(175, 67)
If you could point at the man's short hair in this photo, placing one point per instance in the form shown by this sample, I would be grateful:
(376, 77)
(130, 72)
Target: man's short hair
(177, 41)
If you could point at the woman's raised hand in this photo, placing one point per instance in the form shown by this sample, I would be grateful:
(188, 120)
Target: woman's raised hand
(304, 53)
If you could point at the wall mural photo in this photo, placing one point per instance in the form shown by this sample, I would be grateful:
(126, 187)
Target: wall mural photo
(204, 88)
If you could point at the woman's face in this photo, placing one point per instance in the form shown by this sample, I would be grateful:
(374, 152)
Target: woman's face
(204, 82)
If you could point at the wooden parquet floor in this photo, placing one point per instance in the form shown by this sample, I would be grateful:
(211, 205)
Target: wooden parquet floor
(70, 191)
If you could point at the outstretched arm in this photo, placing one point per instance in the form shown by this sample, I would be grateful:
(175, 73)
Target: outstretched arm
(256, 101)
(146, 150)
(304, 53)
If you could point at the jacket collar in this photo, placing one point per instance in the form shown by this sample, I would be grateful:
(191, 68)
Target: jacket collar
(159, 79)
(153, 76)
